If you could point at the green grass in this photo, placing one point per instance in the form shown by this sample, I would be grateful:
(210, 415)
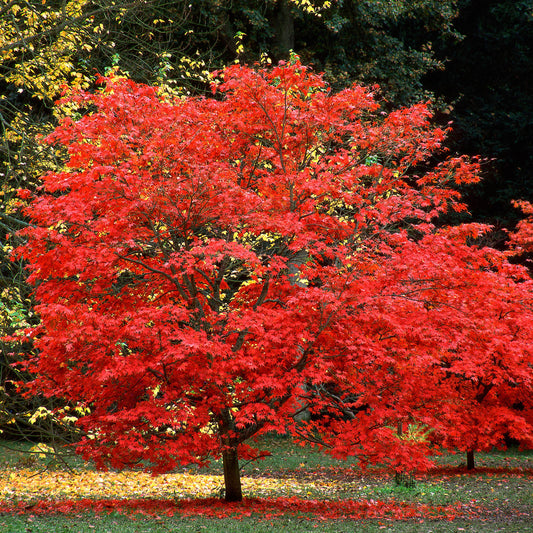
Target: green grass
(120, 524)
(502, 484)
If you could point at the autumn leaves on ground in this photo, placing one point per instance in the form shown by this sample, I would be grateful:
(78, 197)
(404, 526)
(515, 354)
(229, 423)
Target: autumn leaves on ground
(294, 482)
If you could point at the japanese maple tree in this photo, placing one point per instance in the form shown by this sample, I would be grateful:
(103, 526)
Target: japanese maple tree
(207, 268)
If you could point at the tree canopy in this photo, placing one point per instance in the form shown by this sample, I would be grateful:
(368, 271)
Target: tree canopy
(206, 268)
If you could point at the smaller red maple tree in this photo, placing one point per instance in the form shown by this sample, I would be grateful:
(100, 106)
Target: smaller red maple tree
(206, 268)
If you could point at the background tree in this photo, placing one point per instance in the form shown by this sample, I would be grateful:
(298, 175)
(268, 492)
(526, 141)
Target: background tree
(486, 80)
(392, 44)
(45, 45)
(205, 266)
(389, 43)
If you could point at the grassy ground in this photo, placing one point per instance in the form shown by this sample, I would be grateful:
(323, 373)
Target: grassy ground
(496, 497)
(114, 523)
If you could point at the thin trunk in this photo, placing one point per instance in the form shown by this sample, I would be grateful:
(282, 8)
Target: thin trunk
(302, 412)
(470, 464)
(403, 479)
(232, 475)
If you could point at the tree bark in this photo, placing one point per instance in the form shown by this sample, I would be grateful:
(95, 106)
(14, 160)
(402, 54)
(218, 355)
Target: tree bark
(470, 463)
(232, 475)
(284, 29)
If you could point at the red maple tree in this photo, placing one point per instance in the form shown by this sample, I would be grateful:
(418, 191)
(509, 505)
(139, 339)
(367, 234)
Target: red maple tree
(207, 268)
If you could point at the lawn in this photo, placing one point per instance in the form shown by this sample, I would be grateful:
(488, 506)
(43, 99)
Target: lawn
(296, 489)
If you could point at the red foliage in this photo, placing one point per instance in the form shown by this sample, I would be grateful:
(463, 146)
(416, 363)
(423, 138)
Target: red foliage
(522, 238)
(266, 508)
(205, 267)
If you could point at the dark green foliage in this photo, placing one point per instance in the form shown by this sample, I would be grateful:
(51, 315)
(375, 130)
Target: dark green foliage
(488, 79)
(384, 42)
(389, 43)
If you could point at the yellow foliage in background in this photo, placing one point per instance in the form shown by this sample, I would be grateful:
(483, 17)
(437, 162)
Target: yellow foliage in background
(39, 45)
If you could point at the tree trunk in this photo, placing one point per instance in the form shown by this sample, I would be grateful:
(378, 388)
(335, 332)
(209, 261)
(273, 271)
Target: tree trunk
(232, 475)
(284, 29)
(470, 464)
(403, 479)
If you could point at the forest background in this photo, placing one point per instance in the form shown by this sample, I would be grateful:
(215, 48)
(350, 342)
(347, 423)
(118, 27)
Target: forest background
(471, 58)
